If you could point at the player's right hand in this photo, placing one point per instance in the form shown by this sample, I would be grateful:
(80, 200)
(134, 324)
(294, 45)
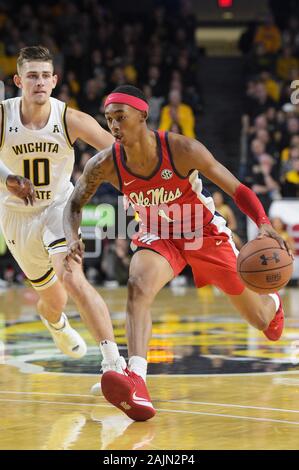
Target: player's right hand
(22, 188)
(266, 230)
(75, 252)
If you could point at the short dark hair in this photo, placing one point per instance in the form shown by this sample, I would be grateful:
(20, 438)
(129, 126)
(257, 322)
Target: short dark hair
(34, 53)
(131, 90)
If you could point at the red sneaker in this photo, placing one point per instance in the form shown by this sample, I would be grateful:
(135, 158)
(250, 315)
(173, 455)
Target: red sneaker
(274, 330)
(128, 393)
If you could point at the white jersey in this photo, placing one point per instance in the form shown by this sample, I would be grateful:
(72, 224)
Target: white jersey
(45, 156)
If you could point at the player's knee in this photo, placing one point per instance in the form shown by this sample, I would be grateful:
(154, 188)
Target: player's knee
(139, 288)
(55, 302)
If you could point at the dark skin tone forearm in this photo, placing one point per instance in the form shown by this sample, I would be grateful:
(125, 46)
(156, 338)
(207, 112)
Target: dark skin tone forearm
(99, 169)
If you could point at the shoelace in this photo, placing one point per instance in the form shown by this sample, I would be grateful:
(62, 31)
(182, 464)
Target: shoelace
(119, 364)
(134, 377)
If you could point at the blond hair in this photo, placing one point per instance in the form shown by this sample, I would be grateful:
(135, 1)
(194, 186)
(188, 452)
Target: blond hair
(33, 53)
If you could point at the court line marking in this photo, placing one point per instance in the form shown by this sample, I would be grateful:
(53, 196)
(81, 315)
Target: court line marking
(245, 374)
(7, 392)
(220, 415)
(228, 405)
(181, 402)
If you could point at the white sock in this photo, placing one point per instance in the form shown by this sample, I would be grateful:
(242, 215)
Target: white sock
(109, 351)
(138, 365)
(276, 300)
(60, 324)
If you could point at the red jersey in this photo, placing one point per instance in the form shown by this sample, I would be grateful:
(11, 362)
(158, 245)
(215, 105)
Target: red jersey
(165, 196)
(213, 261)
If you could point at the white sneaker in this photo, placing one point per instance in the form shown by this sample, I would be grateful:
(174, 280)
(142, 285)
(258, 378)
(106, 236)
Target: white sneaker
(119, 366)
(67, 339)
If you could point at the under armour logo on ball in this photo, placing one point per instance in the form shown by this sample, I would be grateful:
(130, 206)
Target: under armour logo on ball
(166, 174)
(264, 259)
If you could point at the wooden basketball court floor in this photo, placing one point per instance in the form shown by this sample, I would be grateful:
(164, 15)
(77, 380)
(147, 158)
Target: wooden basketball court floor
(215, 381)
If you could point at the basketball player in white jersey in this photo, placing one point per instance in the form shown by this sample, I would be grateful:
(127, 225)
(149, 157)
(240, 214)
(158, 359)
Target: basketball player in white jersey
(37, 137)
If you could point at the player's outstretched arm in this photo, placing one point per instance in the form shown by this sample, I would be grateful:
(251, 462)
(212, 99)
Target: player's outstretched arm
(189, 154)
(95, 173)
(82, 126)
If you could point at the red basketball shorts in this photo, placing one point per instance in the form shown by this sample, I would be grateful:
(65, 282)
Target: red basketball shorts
(215, 262)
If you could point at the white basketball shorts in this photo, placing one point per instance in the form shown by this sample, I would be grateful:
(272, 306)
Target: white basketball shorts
(33, 237)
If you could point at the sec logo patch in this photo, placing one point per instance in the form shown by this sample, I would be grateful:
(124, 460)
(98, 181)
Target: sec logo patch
(166, 174)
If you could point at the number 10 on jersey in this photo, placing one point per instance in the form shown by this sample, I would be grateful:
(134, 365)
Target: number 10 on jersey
(38, 171)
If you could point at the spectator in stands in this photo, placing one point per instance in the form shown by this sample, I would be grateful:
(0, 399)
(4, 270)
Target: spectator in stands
(229, 216)
(290, 36)
(89, 102)
(286, 152)
(265, 181)
(179, 113)
(154, 80)
(77, 60)
(186, 70)
(259, 60)
(96, 63)
(259, 102)
(246, 38)
(117, 77)
(280, 228)
(269, 35)
(290, 181)
(285, 63)
(271, 118)
(64, 95)
(257, 148)
(291, 129)
(73, 83)
(272, 129)
(260, 122)
(264, 136)
(272, 86)
(155, 103)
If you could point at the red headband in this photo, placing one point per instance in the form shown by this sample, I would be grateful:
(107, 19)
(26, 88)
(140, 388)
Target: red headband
(123, 98)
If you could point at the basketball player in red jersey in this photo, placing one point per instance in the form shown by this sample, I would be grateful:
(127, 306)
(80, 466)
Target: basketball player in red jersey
(156, 170)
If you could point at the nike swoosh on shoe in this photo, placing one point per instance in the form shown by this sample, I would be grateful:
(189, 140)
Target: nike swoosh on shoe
(141, 401)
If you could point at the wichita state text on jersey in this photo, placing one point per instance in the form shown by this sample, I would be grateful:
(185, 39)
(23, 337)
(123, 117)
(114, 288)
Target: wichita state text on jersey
(35, 147)
(45, 156)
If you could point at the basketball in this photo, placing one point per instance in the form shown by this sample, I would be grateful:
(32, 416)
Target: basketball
(264, 266)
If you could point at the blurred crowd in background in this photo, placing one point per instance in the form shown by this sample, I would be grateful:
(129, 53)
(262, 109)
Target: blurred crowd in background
(95, 51)
(271, 115)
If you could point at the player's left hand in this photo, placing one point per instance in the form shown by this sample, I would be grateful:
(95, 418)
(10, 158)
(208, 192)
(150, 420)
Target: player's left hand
(75, 252)
(266, 230)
